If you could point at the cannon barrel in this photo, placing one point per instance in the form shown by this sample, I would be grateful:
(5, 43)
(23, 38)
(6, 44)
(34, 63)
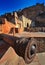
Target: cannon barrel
(24, 47)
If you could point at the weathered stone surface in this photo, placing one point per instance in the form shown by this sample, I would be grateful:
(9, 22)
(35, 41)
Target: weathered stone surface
(41, 45)
(11, 58)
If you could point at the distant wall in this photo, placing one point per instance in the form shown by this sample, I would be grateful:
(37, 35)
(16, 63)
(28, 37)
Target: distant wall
(26, 21)
(7, 26)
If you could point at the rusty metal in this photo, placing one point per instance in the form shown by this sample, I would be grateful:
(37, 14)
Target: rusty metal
(22, 46)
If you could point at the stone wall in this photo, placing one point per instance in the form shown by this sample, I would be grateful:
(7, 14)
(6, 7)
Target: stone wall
(40, 45)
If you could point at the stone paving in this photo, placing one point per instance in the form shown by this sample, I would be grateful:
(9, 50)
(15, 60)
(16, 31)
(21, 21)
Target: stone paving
(11, 58)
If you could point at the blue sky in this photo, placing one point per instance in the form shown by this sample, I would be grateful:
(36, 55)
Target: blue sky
(12, 5)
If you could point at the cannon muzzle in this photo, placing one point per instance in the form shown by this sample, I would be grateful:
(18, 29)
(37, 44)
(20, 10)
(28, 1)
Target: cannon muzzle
(26, 48)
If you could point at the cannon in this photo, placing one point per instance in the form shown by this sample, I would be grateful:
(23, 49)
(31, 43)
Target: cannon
(24, 47)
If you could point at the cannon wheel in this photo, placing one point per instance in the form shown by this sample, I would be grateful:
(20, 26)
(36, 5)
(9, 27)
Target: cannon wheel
(30, 51)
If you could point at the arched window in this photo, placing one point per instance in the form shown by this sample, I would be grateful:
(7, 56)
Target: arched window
(27, 24)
